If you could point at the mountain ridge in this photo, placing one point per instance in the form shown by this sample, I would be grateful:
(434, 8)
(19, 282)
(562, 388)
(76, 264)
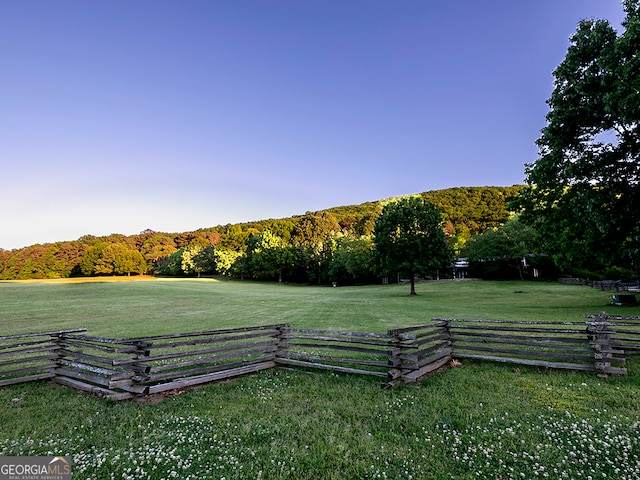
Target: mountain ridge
(466, 211)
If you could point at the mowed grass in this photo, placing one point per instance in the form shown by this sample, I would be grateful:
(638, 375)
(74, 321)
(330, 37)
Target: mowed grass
(478, 421)
(155, 306)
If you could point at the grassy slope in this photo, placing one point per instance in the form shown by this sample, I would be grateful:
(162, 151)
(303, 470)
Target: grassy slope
(478, 421)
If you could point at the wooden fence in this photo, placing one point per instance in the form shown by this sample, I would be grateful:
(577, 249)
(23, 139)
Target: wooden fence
(422, 350)
(558, 345)
(339, 351)
(29, 357)
(615, 285)
(402, 355)
(627, 330)
(178, 361)
(124, 368)
(131, 367)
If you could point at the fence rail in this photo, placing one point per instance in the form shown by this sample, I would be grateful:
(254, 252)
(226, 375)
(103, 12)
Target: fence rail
(627, 329)
(203, 357)
(130, 367)
(125, 368)
(28, 357)
(348, 352)
(560, 345)
(423, 349)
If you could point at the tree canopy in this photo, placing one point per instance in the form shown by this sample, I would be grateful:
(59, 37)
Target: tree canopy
(583, 191)
(507, 245)
(314, 228)
(409, 239)
(269, 256)
(325, 246)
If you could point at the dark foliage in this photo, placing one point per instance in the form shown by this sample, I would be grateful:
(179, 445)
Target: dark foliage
(584, 190)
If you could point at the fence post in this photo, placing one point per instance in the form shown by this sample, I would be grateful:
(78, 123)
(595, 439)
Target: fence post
(281, 342)
(447, 329)
(57, 344)
(600, 338)
(402, 360)
(140, 369)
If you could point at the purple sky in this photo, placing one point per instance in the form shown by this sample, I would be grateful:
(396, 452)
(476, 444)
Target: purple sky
(118, 116)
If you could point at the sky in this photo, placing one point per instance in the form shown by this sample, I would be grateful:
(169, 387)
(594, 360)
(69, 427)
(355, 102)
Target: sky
(121, 116)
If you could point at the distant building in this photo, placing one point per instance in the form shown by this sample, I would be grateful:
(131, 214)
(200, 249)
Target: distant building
(461, 268)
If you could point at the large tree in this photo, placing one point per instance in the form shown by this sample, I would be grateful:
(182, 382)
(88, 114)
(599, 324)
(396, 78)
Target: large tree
(409, 239)
(584, 190)
(112, 259)
(268, 256)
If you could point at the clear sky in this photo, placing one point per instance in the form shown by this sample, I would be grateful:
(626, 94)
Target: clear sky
(118, 116)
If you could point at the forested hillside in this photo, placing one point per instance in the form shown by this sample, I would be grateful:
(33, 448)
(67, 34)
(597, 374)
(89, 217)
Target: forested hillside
(314, 247)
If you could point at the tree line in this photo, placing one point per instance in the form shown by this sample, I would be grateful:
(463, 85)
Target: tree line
(333, 245)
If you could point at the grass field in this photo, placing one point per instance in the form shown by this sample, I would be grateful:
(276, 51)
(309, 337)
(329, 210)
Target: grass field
(479, 421)
(147, 307)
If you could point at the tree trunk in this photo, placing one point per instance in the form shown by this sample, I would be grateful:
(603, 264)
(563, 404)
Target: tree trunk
(518, 267)
(413, 283)
(520, 271)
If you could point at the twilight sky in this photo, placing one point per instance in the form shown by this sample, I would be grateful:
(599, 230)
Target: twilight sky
(118, 116)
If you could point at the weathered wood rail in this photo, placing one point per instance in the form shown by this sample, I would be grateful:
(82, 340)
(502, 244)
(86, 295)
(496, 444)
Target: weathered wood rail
(132, 367)
(422, 350)
(615, 285)
(627, 329)
(29, 357)
(399, 356)
(558, 345)
(177, 361)
(89, 364)
(348, 352)
(125, 368)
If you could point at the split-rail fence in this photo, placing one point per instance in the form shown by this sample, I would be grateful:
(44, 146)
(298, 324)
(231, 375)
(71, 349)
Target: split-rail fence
(123, 368)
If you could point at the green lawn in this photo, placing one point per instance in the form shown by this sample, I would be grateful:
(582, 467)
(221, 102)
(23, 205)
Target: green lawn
(480, 421)
(139, 308)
